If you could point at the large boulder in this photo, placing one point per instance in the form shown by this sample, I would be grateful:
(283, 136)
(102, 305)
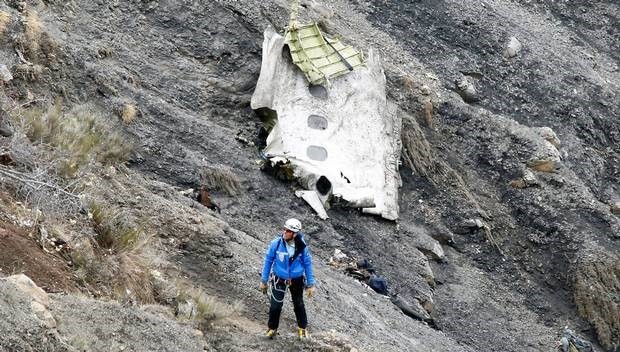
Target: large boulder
(24, 312)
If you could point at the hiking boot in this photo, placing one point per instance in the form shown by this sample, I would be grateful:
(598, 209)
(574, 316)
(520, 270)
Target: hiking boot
(271, 333)
(302, 333)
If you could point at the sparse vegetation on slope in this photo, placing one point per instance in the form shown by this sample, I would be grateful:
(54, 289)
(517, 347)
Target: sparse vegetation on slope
(77, 137)
(116, 263)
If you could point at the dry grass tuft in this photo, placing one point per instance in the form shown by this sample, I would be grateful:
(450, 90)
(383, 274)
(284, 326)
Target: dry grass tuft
(417, 152)
(597, 286)
(32, 34)
(221, 178)
(34, 45)
(428, 113)
(543, 165)
(115, 263)
(132, 279)
(115, 231)
(5, 19)
(77, 137)
(206, 310)
(128, 113)
(123, 276)
(30, 73)
(408, 82)
(49, 48)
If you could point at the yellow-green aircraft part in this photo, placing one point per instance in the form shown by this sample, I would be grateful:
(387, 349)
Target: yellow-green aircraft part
(320, 58)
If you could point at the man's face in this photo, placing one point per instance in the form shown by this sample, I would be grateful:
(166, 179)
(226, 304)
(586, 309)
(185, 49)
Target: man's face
(288, 234)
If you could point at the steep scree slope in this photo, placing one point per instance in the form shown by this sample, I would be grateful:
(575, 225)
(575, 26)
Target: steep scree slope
(190, 68)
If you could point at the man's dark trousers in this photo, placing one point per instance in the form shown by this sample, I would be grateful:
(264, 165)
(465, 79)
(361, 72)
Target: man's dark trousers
(277, 300)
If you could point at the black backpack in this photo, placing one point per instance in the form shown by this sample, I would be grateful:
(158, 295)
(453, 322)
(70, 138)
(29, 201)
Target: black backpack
(378, 284)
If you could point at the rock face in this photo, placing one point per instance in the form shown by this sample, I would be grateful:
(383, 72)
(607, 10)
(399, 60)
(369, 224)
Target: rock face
(29, 288)
(24, 308)
(58, 322)
(342, 139)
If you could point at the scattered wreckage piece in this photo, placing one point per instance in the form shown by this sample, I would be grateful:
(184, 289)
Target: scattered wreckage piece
(363, 271)
(360, 270)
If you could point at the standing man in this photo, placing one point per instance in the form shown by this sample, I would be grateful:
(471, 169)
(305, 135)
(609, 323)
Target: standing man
(287, 264)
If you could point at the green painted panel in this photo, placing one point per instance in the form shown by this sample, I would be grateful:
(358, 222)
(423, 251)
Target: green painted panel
(316, 58)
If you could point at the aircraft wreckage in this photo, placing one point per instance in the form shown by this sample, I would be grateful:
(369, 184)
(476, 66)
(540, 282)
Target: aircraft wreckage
(329, 121)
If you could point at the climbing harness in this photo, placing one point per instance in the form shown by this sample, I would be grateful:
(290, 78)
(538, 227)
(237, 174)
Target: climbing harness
(273, 287)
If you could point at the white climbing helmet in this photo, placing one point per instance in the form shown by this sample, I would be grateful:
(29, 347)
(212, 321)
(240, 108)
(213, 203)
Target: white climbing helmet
(293, 225)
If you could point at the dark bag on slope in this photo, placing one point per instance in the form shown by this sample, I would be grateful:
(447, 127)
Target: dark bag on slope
(378, 284)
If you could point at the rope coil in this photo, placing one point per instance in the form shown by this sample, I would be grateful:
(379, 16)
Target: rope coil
(274, 287)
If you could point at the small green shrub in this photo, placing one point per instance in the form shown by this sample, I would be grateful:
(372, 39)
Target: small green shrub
(114, 231)
(114, 263)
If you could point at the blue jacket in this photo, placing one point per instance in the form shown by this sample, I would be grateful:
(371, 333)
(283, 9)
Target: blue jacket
(278, 261)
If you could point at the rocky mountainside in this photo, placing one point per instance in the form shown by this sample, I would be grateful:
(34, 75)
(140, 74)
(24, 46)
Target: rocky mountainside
(509, 204)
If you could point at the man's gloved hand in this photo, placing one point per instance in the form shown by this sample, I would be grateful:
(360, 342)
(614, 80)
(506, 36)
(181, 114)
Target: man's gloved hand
(263, 288)
(310, 291)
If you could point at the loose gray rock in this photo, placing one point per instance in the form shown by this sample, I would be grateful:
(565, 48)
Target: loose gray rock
(467, 90)
(29, 288)
(473, 223)
(413, 310)
(429, 246)
(5, 131)
(442, 234)
(5, 74)
(615, 208)
(26, 320)
(529, 178)
(512, 48)
(108, 326)
(43, 315)
(549, 135)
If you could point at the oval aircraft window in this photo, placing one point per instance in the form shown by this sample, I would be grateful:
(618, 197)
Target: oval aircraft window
(317, 122)
(316, 153)
(318, 91)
